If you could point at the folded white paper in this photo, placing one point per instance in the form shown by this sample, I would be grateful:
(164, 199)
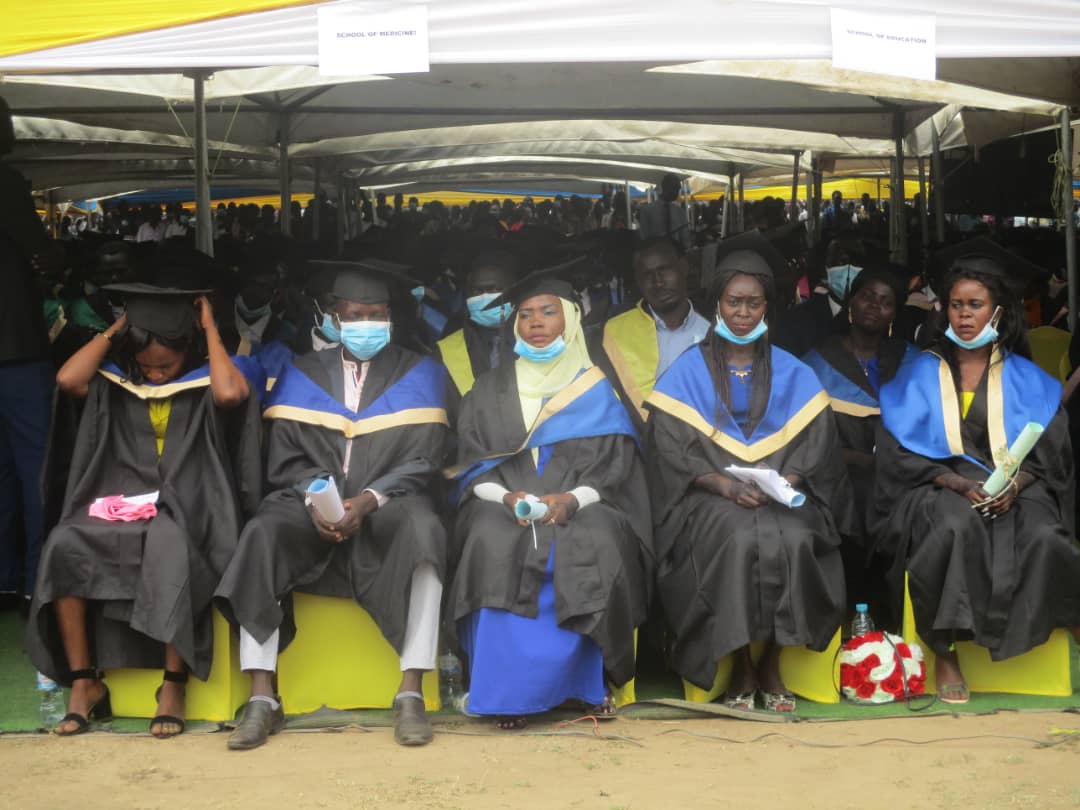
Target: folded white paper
(770, 482)
(323, 494)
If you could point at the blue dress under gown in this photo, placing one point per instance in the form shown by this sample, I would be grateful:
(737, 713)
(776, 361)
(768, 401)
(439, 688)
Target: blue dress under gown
(519, 665)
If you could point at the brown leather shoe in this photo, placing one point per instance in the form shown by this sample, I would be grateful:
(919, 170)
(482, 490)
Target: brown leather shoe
(258, 722)
(411, 724)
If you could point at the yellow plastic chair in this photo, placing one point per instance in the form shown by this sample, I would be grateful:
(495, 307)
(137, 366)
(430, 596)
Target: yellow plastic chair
(339, 659)
(216, 699)
(1048, 345)
(812, 675)
(1043, 670)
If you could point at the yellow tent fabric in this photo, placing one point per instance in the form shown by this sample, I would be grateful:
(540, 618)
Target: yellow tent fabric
(50, 24)
(852, 188)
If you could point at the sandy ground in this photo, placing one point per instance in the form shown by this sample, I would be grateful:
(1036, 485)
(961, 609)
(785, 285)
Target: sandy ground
(684, 764)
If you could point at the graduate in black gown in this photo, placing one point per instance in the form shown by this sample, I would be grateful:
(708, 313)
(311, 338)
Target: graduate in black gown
(1001, 571)
(546, 612)
(372, 416)
(852, 368)
(733, 565)
(158, 418)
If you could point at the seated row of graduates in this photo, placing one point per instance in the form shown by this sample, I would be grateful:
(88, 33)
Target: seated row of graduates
(629, 462)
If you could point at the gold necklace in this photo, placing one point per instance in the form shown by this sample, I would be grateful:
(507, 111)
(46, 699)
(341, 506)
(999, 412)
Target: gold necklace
(742, 374)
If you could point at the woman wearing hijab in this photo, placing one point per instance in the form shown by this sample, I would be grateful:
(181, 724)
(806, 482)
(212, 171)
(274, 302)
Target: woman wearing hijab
(852, 368)
(735, 566)
(546, 609)
(127, 583)
(1003, 571)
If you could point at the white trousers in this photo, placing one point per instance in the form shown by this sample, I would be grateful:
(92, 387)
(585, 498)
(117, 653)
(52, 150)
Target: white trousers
(421, 629)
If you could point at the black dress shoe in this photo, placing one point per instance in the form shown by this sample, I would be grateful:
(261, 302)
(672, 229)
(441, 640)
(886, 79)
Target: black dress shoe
(259, 721)
(411, 724)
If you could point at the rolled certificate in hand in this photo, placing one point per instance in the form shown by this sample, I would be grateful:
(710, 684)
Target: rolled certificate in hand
(324, 497)
(1008, 467)
(530, 508)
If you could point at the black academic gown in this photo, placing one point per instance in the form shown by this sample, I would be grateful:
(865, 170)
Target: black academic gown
(280, 551)
(1005, 583)
(148, 582)
(728, 575)
(603, 556)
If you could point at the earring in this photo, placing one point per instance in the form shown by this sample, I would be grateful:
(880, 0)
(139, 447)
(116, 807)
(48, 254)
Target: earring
(890, 329)
(850, 319)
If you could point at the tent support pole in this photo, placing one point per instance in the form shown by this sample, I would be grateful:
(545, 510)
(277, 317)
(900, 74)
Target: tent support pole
(342, 218)
(285, 177)
(818, 182)
(810, 230)
(898, 220)
(937, 178)
(795, 187)
(629, 212)
(204, 217)
(1070, 220)
(725, 222)
(314, 209)
(740, 219)
(924, 219)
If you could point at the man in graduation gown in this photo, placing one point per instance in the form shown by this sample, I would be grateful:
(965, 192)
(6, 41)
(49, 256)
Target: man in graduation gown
(643, 342)
(371, 415)
(485, 341)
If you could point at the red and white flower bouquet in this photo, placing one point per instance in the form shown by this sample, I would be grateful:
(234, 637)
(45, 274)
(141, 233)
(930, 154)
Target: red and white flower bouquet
(873, 670)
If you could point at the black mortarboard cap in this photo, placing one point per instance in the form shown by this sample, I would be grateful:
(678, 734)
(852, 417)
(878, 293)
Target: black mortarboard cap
(554, 280)
(167, 312)
(750, 253)
(366, 281)
(987, 256)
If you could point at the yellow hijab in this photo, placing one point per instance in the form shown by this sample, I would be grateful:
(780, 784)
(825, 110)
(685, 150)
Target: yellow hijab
(540, 381)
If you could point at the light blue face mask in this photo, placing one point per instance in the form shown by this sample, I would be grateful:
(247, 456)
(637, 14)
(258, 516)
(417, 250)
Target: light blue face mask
(988, 334)
(418, 293)
(365, 339)
(489, 318)
(251, 315)
(329, 330)
(546, 354)
(839, 279)
(724, 331)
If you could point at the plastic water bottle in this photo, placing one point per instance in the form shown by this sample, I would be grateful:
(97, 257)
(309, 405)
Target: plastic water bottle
(862, 623)
(52, 702)
(451, 686)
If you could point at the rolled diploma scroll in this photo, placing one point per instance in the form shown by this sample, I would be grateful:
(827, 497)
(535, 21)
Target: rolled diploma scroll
(324, 497)
(1007, 469)
(530, 508)
(771, 483)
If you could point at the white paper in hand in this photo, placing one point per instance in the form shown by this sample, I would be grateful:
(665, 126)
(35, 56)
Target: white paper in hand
(324, 497)
(770, 482)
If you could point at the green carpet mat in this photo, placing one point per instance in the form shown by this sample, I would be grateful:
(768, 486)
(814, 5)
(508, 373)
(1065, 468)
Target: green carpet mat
(659, 694)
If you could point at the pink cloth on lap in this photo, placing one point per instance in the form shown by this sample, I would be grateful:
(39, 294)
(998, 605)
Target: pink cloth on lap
(115, 507)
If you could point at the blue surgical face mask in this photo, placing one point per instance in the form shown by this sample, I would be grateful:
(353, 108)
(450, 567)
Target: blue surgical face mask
(418, 293)
(365, 339)
(329, 329)
(839, 279)
(988, 334)
(527, 351)
(251, 315)
(490, 318)
(724, 331)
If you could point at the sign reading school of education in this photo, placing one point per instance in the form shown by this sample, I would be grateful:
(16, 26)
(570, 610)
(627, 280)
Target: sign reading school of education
(357, 41)
(893, 44)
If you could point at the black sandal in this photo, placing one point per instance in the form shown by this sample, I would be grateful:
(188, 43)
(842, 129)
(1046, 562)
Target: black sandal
(101, 710)
(162, 719)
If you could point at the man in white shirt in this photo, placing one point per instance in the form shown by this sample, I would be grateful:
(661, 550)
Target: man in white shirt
(370, 418)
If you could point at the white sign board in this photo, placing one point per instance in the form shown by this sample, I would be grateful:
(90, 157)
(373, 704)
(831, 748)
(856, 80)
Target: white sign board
(358, 42)
(893, 44)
